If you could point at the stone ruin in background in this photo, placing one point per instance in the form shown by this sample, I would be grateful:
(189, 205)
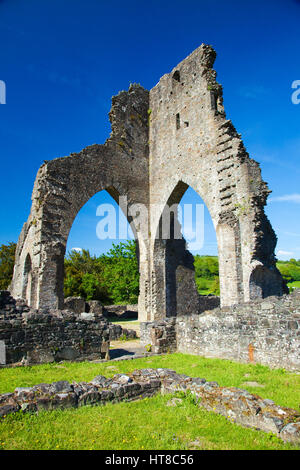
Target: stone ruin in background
(162, 142)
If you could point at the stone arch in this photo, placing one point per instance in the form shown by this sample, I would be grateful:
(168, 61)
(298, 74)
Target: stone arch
(55, 253)
(264, 282)
(64, 185)
(162, 141)
(209, 155)
(174, 290)
(115, 195)
(27, 279)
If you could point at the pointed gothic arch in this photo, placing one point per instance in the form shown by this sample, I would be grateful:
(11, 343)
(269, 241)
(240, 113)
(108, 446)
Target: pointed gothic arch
(162, 141)
(27, 279)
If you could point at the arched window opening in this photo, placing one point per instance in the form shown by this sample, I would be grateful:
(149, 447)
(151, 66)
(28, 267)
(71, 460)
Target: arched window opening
(263, 282)
(27, 280)
(187, 264)
(176, 75)
(200, 234)
(101, 262)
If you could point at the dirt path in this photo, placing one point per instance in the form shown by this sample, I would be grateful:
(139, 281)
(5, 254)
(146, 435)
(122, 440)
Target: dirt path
(119, 349)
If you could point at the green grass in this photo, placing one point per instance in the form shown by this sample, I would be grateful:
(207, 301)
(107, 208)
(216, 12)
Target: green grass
(279, 385)
(147, 424)
(295, 284)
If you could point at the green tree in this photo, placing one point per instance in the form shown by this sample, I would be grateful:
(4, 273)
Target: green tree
(206, 266)
(110, 278)
(72, 284)
(121, 274)
(90, 287)
(7, 261)
(80, 262)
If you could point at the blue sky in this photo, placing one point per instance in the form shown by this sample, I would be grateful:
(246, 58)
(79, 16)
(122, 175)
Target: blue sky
(62, 61)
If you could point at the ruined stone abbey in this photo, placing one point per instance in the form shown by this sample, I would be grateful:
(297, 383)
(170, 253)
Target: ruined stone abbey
(162, 142)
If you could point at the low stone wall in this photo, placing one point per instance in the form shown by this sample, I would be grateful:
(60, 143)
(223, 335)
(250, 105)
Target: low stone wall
(120, 311)
(65, 395)
(237, 405)
(11, 308)
(79, 305)
(208, 302)
(37, 338)
(76, 305)
(34, 337)
(267, 332)
(117, 331)
(160, 336)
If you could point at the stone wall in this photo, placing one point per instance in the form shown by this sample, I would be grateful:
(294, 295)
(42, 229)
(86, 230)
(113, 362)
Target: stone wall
(39, 338)
(239, 406)
(79, 305)
(117, 331)
(162, 142)
(160, 336)
(11, 308)
(33, 337)
(76, 305)
(122, 312)
(63, 185)
(65, 395)
(193, 144)
(266, 332)
(208, 302)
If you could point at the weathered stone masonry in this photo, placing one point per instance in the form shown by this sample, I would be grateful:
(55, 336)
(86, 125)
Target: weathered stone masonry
(61, 335)
(267, 332)
(162, 142)
(237, 405)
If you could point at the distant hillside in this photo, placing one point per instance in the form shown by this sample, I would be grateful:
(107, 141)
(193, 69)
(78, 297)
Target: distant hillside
(114, 276)
(207, 274)
(290, 271)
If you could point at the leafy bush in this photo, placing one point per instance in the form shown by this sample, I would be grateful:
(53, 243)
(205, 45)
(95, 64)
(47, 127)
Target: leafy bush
(112, 278)
(206, 267)
(7, 260)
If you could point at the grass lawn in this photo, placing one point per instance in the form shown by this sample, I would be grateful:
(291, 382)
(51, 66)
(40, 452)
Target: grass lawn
(146, 424)
(149, 423)
(295, 285)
